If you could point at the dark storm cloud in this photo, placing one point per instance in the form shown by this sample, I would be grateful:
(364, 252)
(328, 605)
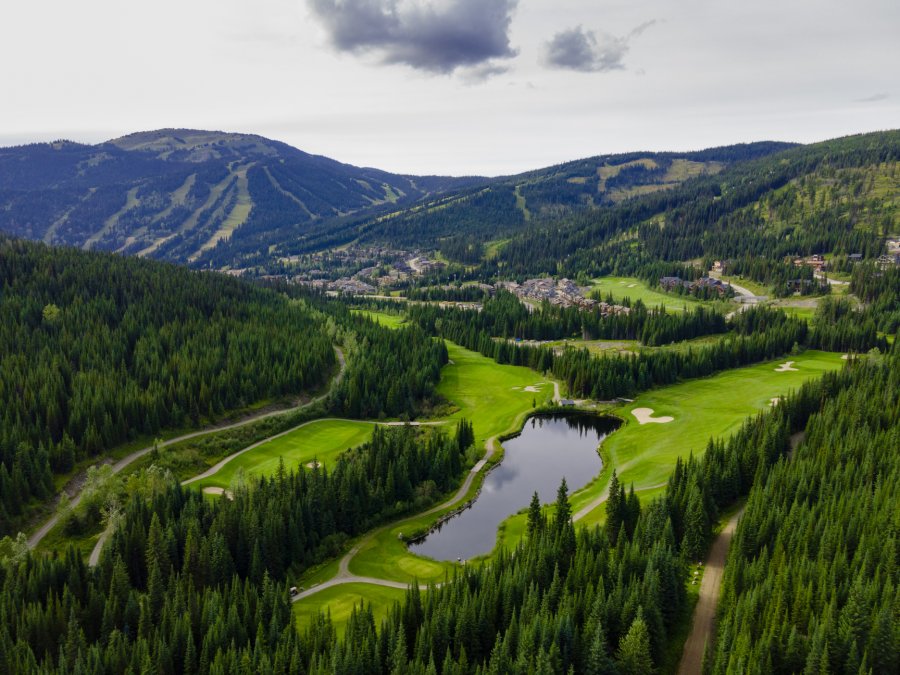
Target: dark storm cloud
(437, 37)
(587, 52)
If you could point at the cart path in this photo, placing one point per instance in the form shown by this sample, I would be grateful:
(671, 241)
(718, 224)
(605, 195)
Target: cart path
(51, 522)
(344, 576)
(594, 503)
(703, 626)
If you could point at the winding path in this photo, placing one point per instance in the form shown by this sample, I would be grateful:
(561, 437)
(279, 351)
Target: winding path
(703, 626)
(48, 525)
(344, 576)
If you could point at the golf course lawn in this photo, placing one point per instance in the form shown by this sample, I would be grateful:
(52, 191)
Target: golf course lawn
(319, 440)
(711, 407)
(340, 601)
(385, 319)
(494, 398)
(635, 289)
(488, 394)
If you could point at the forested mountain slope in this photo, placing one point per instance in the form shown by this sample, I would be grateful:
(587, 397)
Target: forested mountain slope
(96, 349)
(460, 222)
(175, 194)
(223, 200)
(838, 197)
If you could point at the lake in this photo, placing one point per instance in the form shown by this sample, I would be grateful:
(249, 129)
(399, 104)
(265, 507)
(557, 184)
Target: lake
(549, 448)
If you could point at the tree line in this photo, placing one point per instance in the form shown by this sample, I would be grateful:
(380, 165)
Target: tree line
(96, 349)
(812, 583)
(186, 583)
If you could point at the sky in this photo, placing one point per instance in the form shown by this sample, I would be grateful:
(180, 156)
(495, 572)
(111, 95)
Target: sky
(463, 87)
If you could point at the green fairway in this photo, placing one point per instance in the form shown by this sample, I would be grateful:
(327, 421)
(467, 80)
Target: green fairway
(340, 601)
(321, 440)
(496, 399)
(635, 289)
(488, 394)
(383, 318)
(712, 407)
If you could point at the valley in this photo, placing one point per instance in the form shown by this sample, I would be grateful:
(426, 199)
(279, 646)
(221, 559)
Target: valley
(329, 453)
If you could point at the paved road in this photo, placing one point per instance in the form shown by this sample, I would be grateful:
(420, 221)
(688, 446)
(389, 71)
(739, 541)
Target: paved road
(48, 525)
(705, 611)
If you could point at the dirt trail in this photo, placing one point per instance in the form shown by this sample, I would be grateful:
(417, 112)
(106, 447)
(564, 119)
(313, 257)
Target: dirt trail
(50, 523)
(702, 629)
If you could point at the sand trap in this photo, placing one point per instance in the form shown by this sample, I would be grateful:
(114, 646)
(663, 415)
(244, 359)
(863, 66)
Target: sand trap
(845, 357)
(313, 465)
(786, 367)
(533, 388)
(645, 416)
(774, 401)
(218, 491)
(631, 285)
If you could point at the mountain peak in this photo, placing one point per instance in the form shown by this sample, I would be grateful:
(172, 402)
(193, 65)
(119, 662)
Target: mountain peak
(195, 145)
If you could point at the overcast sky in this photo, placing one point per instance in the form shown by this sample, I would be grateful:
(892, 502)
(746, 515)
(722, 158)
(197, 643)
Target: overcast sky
(452, 86)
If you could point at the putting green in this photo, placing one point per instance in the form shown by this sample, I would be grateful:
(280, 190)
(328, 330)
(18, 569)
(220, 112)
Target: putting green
(321, 441)
(340, 601)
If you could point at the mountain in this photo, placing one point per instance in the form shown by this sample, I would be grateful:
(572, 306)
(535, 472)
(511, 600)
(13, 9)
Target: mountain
(840, 197)
(461, 222)
(176, 194)
(228, 200)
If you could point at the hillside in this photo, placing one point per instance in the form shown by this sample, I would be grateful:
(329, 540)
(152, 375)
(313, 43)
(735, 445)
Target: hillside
(175, 194)
(227, 200)
(836, 198)
(97, 350)
(461, 223)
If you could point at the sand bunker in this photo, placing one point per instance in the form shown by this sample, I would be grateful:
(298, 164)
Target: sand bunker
(785, 367)
(845, 357)
(533, 388)
(218, 491)
(313, 465)
(645, 416)
(631, 285)
(774, 401)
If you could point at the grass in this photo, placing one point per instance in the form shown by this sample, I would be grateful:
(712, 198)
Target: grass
(493, 397)
(635, 289)
(621, 347)
(340, 601)
(712, 407)
(383, 318)
(321, 440)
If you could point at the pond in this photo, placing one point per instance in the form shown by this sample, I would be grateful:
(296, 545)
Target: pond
(549, 448)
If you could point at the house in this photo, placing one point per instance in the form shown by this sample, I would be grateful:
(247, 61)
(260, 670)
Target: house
(718, 266)
(670, 283)
(566, 402)
(855, 257)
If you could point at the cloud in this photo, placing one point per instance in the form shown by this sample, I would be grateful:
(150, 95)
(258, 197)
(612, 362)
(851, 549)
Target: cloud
(590, 52)
(873, 98)
(437, 36)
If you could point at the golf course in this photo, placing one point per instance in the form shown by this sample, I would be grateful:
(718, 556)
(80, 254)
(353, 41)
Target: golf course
(659, 426)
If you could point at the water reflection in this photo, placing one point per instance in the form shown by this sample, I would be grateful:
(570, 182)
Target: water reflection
(549, 448)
